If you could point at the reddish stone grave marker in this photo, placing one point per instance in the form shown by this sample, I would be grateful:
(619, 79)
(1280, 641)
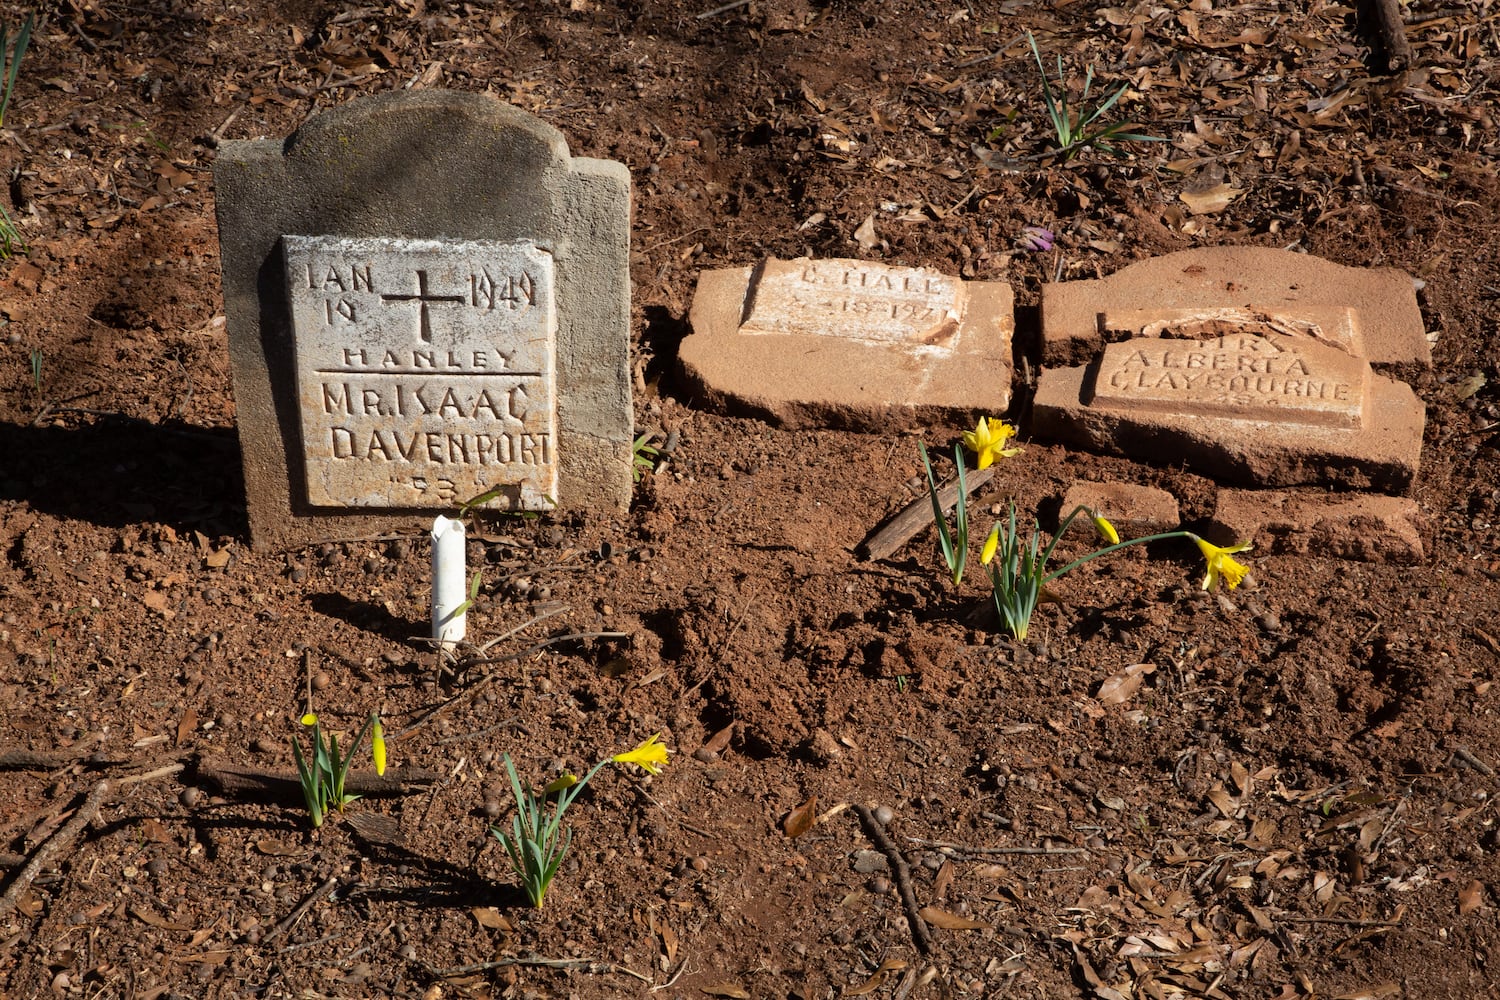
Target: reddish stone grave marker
(1251, 365)
(850, 343)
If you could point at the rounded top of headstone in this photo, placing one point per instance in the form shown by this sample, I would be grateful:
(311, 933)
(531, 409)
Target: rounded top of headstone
(423, 116)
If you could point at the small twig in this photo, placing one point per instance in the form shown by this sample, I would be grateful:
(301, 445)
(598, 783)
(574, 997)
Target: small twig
(286, 922)
(538, 647)
(585, 964)
(325, 939)
(60, 841)
(160, 772)
(1340, 921)
(902, 874)
(1463, 755)
(49, 760)
(718, 659)
(917, 515)
(524, 626)
(966, 849)
(667, 243)
(992, 55)
(726, 8)
(681, 968)
(696, 829)
(514, 720)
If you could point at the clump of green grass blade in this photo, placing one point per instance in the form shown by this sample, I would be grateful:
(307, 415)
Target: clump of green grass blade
(1074, 128)
(10, 65)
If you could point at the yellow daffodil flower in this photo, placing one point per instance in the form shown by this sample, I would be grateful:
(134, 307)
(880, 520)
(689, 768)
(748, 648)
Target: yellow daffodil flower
(1106, 530)
(565, 780)
(650, 756)
(377, 745)
(1220, 565)
(987, 441)
(310, 719)
(990, 545)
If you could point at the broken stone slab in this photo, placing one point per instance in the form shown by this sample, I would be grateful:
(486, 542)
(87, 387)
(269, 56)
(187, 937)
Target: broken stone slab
(1134, 510)
(1366, 312)
(1258, 409)
(813, 343)
(1365, 527)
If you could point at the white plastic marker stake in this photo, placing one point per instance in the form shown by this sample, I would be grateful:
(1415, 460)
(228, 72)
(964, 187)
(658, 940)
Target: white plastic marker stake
(449, 588)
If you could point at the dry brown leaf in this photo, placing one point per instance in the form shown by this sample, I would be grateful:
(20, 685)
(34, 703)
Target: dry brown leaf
(1210, 200)
(156, 920)
(186, 724)
(949, 921)
(865, 234)
(1372, 992)
(276, 849)
(720, 740)
(943, 880)
(669, 938)
(1241, 777)
(1471, 897)
(873, 983)
(1118, 688)
(801, 819)
(488, 916)
(732, 990)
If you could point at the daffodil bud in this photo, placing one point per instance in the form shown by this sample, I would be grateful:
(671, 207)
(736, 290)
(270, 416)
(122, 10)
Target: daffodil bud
(1106, 530)
(990, 545)
(377, 744)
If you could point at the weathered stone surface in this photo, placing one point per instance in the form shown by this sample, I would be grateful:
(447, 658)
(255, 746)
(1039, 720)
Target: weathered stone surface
(424, 165)
(1368, 312)
(1282, 379)
(425, 370)
(1133, 510)
(856, 300)
(1271, 410)
(1366, 526)
(849, 343)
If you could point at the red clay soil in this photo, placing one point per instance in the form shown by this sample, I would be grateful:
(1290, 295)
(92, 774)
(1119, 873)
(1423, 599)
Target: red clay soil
(1281, 792)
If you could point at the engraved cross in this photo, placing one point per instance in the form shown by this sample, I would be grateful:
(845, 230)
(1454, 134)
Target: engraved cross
(425, 298)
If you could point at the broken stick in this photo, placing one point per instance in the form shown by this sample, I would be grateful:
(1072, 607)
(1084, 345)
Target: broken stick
(244, 781)
(59, 842)
(901, 872)
(917, 515)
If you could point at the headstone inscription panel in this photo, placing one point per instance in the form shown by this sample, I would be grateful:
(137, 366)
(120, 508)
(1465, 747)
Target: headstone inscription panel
(425, 370)
(1279, 379)
(856, 300)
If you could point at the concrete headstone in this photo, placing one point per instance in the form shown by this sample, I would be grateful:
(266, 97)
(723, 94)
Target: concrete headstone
(427, 298)
(1248, 364)
(849, 343)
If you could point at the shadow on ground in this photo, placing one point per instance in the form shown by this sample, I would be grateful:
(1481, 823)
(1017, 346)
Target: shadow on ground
(119, 471)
